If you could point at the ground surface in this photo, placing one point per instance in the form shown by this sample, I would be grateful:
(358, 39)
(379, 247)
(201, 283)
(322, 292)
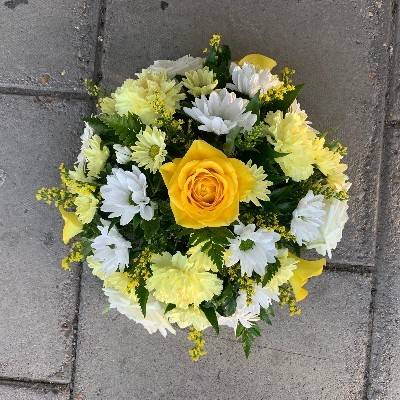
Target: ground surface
(55, 343)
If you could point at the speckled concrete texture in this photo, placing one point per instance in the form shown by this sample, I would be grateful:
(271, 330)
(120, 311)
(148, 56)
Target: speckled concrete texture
(339, 48)
(47, 44)
(320, 353)
(18, 391)
(37, 298)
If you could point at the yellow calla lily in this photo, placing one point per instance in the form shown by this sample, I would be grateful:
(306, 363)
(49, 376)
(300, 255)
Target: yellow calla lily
(259, 61)
(72, 224)
(305, 270)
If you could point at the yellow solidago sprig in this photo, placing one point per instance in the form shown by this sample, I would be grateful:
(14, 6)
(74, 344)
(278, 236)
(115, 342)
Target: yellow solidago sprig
(286, 297)
(75, 255)
(197, 351)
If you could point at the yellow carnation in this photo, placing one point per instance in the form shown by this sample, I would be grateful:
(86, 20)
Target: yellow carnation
(292, 135)
(137, 96)
(178, 281)
(96, 156)
(201, 259)
(107, 105)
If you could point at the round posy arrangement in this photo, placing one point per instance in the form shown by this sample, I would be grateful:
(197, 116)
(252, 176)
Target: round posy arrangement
(197, 187)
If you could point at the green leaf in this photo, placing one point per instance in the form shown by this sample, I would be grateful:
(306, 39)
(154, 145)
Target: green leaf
(229, 145)
(226, 302)
(248, 336)
(150, 228)
(169, 307)
(270, 271)
(97, 125)
(266, 313)
(106, 309)
(125, 126)
(280, 194)
(254, 105)
(277, 178)
(211, 315)
(143, 294)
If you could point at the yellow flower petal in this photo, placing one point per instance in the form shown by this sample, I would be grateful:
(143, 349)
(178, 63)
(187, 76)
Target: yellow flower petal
(305, 270)
(259, 61)
(72, 225)
(246, 180)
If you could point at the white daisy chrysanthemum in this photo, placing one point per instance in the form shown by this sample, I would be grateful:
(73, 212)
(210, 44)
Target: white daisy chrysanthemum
(248, 80)
(176, 67)
(125, 195)
(149, 149)
(260, 190)
(221, 112)
(307, 218)
(86, 136)
(122, 153)
(111, 249)
(242, 314)
(330, 231)
(154, 320)
(252, 249)
(262, 297)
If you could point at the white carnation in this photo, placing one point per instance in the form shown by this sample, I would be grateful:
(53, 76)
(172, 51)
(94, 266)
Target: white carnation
(330, 232)
(154, 320)
(307, 218)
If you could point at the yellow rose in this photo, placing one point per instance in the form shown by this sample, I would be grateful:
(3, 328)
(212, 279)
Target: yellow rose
(205, 186)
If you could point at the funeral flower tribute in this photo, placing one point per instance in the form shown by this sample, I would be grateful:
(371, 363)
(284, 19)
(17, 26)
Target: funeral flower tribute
(198, 187)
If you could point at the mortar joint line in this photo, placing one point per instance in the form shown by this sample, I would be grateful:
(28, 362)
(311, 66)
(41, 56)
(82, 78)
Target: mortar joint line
(393, 32)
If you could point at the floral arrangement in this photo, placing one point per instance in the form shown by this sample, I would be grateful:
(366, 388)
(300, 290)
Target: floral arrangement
(197, 188)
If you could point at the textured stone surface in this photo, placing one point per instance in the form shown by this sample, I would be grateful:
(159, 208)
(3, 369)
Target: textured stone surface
(385, 354)
(47, 39)
(36, 295)
(340, 55)
(320, 354)
(16, 391)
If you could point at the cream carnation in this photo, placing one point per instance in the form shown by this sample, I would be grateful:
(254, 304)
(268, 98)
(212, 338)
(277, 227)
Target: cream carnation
(178, 281)
(292, 135)
(191, 316)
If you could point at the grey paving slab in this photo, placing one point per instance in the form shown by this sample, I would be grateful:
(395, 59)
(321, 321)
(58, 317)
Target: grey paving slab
(385, 353)
(16, 391)
(318, 355)
(339, 48)
(394, 107)
(47, 44)
(37, 298)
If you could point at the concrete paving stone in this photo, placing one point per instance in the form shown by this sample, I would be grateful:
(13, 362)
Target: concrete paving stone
(385, 354)
(47, 44)
(16, 391)
(37, 297)
(338, 48)
(394, 107)
(318, 355)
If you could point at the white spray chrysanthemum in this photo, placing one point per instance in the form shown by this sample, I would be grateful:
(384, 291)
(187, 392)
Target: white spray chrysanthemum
(221, 112)
(149, 149)
(86, 136)
(176, 67)
(248, 80)
(307, 218)
(111, 249)
(125, 195)
(330, 231)
(252, 249)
